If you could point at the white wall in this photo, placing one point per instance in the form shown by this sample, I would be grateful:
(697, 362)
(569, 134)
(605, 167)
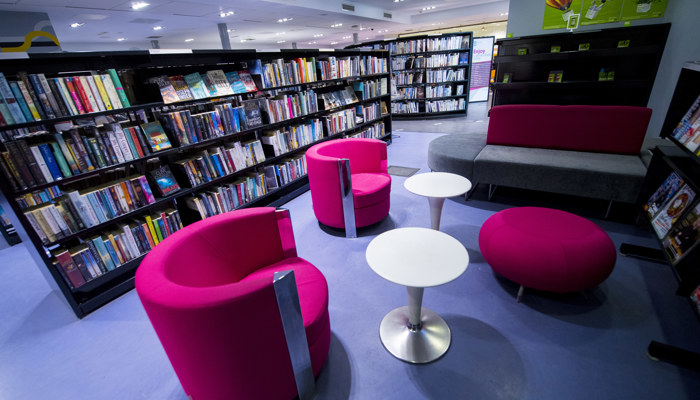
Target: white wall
(525, 18)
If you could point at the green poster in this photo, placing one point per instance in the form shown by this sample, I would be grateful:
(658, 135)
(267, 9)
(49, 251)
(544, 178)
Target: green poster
(640, 9)
(557, 12)
(600, 11)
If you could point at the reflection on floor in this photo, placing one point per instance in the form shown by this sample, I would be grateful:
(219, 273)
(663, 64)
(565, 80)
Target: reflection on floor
(580, 346)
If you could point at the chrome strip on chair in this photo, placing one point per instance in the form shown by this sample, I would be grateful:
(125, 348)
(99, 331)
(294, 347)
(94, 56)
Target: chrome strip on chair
(346, 198)
(287, 295)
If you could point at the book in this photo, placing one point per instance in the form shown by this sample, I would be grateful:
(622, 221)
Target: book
(54, 98)
(102, 91)
(26, 86)
(251, 114)
(220, 82)
(117, 84)
(167, 91)
(66, 96)
(672, 210)
(507, 77)
(70, 269)
(236, 83)
(41, 95)
(82, 94)
(248, 81)
(196, 85)
(684, 127)
(73, 90)
(8, 97)
(164, 181)
(111, 90)
(684, 235)
(663, 194)
(181, 88)
(156, 137)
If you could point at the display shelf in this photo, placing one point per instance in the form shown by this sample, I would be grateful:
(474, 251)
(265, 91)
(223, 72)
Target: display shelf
(213, 130)
(629, 55)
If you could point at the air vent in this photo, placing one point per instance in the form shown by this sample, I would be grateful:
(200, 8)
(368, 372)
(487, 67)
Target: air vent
(145, 21)
(387, 15)
(348, 7)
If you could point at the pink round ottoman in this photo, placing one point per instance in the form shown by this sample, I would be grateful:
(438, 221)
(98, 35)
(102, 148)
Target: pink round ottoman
(547, 249)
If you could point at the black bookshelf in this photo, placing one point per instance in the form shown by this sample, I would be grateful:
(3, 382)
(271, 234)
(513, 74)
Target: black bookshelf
(136, 68)
(628, 58)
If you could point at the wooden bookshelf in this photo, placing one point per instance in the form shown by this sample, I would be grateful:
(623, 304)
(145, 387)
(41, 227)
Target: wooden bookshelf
(366, 73)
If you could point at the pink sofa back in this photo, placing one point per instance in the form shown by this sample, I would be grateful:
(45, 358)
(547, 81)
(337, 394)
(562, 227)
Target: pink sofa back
(602, 129)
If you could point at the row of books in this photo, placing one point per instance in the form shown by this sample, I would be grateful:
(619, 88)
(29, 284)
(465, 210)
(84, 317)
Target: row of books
(443, 91)
(197, 85)
(281, 141)
(407, 78)
(228, 197)
(408, 62)
(414, 92)
(285, 172)
(370, 111)
(408, 107)
(286, 106)
(346, 67)
(376, 131)
(446, 75)
(103, 253)
(445, 105)
(410, 46)
(34, 97)
(80, 149)
(687, 132)
(37, 197)
(285, 73)
(338, 98)
(447, 60)
(448, 43)
(371, 88)
(219, 161)
(78, 210)
(340, 121)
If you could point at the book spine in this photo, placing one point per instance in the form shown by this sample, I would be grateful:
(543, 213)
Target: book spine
(60, 160)
(70, 85)
(112, 252)
(111, 91)
(97, 257)
(82, 94)
(58, 96)
(11, 101)
(31, 162)
(33, 96)
(28, 100)
(84, 158)
(106, 257)
(49, 95)
(41, 94)
(115, 146)
(88, 93)
(102, 91)
(135, 139)
(43, 168)
(122, 142)
(66, 263)
(67, 98)
(119, 88)
(90, 80)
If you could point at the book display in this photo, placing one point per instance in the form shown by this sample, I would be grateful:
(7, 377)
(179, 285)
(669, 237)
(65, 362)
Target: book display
(429, 74)
(607, 67)
(139, 145)
(670, 204)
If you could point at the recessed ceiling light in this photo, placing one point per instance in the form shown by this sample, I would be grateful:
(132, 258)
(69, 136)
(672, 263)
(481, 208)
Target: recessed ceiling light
(225, 14)
(334, 42)
(189, 40)
(427, 8)
(157, 28)
(281, 41)
(397, 1)
(336, 25)
(76, 24)
(318, 35)
(284, 20)
(347, 37)
(230, 30)
(121, 39)
(314, 42)
(139, 5)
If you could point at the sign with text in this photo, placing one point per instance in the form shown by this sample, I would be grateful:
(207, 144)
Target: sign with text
(482, 54)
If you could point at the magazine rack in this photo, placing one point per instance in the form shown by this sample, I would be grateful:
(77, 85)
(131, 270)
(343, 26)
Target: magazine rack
(670, 204)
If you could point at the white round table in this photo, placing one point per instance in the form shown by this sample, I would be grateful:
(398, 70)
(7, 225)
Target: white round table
(416, 258)
(437, 186)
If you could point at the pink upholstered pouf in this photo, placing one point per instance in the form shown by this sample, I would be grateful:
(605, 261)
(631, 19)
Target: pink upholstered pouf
(547, 249)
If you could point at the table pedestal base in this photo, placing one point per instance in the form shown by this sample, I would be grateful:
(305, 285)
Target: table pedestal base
(425, 344)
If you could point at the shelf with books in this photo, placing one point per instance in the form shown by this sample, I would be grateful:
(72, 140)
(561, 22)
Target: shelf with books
(85, 207)
(424, 60)
(629, 57)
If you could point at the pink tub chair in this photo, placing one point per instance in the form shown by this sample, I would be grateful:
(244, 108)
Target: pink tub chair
(208, 291)
(349, 183)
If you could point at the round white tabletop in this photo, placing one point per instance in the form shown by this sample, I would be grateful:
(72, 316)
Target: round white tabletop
(437, 184)
(417, 257)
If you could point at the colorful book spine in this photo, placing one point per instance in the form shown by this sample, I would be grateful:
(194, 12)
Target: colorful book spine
(111, 91)
(102, 91)
(14, 86)
(90, 79)
(82, 94)
(43, 98)
(119, 88)
(70, 85)
(49, 95)
(9, 98)
(65, 94)
(24, 78)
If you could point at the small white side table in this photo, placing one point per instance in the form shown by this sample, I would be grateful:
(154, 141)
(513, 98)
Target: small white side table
(416, 258)
(437, 186)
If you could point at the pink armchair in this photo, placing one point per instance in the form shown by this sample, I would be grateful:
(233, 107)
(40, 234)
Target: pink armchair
(345, 197)
(209, 294)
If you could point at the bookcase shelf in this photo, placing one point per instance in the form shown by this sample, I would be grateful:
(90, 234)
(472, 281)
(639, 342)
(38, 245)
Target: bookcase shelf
(88, 282)
(630, 56)
(459, 44)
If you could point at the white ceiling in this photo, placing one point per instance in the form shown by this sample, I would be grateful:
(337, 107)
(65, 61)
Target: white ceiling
(254, 24)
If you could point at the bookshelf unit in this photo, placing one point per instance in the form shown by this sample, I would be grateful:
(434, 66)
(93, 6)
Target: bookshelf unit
(244, 149)
(607, 67)
(669, 203)
(430, 74)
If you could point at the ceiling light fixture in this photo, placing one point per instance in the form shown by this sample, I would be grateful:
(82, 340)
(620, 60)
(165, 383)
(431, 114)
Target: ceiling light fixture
(427, 8)
(225, 14)
(336, 25)
(76, 24)
(121, 39)
(139, 5)
(230, 30)
(284, 20)
(314, 42)
(318, 35)
(189, 40)
(281, 41)
(157, 28)
(347, 37)
(397, 1)
(334, 42)
(280, 33)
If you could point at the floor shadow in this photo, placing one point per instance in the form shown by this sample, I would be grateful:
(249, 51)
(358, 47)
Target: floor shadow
(382, 226)
(335, 379)
(481, 363)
